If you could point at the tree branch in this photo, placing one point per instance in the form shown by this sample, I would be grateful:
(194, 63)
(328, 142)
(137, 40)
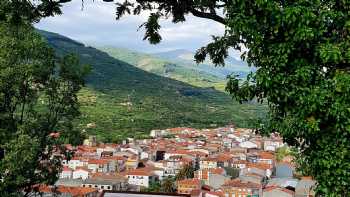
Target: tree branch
(211, 16)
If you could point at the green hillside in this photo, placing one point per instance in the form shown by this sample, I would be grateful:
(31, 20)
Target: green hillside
(181, 71)
(121, 100)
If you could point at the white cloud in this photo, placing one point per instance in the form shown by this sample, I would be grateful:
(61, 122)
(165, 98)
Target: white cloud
(96, 24)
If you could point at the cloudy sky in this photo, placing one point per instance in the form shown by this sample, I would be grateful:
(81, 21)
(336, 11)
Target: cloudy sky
(96, 25)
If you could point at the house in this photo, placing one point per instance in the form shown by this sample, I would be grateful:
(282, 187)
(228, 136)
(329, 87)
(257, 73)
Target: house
(208, 162)
(252, 177)
(106, 182)
(69, 182)
(63, 191)
(175, 163)
(172, 153)
(224, 160)
(215, 181)
(75, 162)
(275, 191)
(186, 186)
(241, 164)
(158, 133)
(248, 144)
(213, 194)
(132, 162)
(266, 158)
(305, 187)
(289, 183)
(142, 177)
(272, 144)
(81, 173)
(259, 168)
(66, 173)
(284, 170)
(117, 163)
(236, 187)
(98, 165)
(203, 174)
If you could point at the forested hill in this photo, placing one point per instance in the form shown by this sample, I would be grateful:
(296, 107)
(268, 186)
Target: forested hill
(121, 100)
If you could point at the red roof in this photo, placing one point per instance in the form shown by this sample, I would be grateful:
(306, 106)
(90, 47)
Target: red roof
(266, 155)
(189, 182)
(66, 169)
(241, 184)
(270, 188)
(261, 166)
(74, 191)
(139, 172)
(98, 161)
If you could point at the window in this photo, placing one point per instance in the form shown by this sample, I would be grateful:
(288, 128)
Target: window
(102, 187)
(108, 187)
(89, 185)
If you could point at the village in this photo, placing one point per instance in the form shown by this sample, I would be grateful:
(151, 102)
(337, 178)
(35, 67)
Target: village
(225, 162)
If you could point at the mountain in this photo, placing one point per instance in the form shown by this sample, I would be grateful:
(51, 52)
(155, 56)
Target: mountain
(232, 65)
(166, 68)
(121, 100)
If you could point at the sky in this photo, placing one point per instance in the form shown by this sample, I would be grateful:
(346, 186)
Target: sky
(96, 25)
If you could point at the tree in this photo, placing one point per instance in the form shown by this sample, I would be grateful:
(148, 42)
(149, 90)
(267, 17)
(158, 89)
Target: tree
(301, 52)
(38, 103)
(167, 185)
(153, 187)
(232, 172)
(186, 172)
(282, 152)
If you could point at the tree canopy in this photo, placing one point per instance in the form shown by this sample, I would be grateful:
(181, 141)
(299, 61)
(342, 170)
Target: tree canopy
(301, 51)
(38, 103)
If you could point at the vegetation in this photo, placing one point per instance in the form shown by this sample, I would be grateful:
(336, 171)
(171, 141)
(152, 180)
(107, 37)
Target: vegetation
(124, 101)
(153, 187)
(166, 68)
(282, 152)
(182, 70)
(37, 98)
(301, 52)
(186, 172)
(232, 172)
(168, 185)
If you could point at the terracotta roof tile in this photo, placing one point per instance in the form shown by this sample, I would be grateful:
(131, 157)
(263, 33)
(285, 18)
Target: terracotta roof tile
(189, 182)
(74, 191)
(240, 184)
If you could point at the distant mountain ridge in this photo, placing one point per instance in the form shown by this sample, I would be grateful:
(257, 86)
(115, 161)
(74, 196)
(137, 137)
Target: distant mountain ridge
(125, 101)
(232, 65)
(167, 68)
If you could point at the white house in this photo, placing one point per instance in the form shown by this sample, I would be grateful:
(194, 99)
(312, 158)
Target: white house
(248, 144)
(272, 145)
(81, 173)
(158, 133)
(66, 173)
(74, 163)
(141, 177)
(105, 148)
(98, 165)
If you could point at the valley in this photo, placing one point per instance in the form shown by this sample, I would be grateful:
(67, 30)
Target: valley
(121, 100)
